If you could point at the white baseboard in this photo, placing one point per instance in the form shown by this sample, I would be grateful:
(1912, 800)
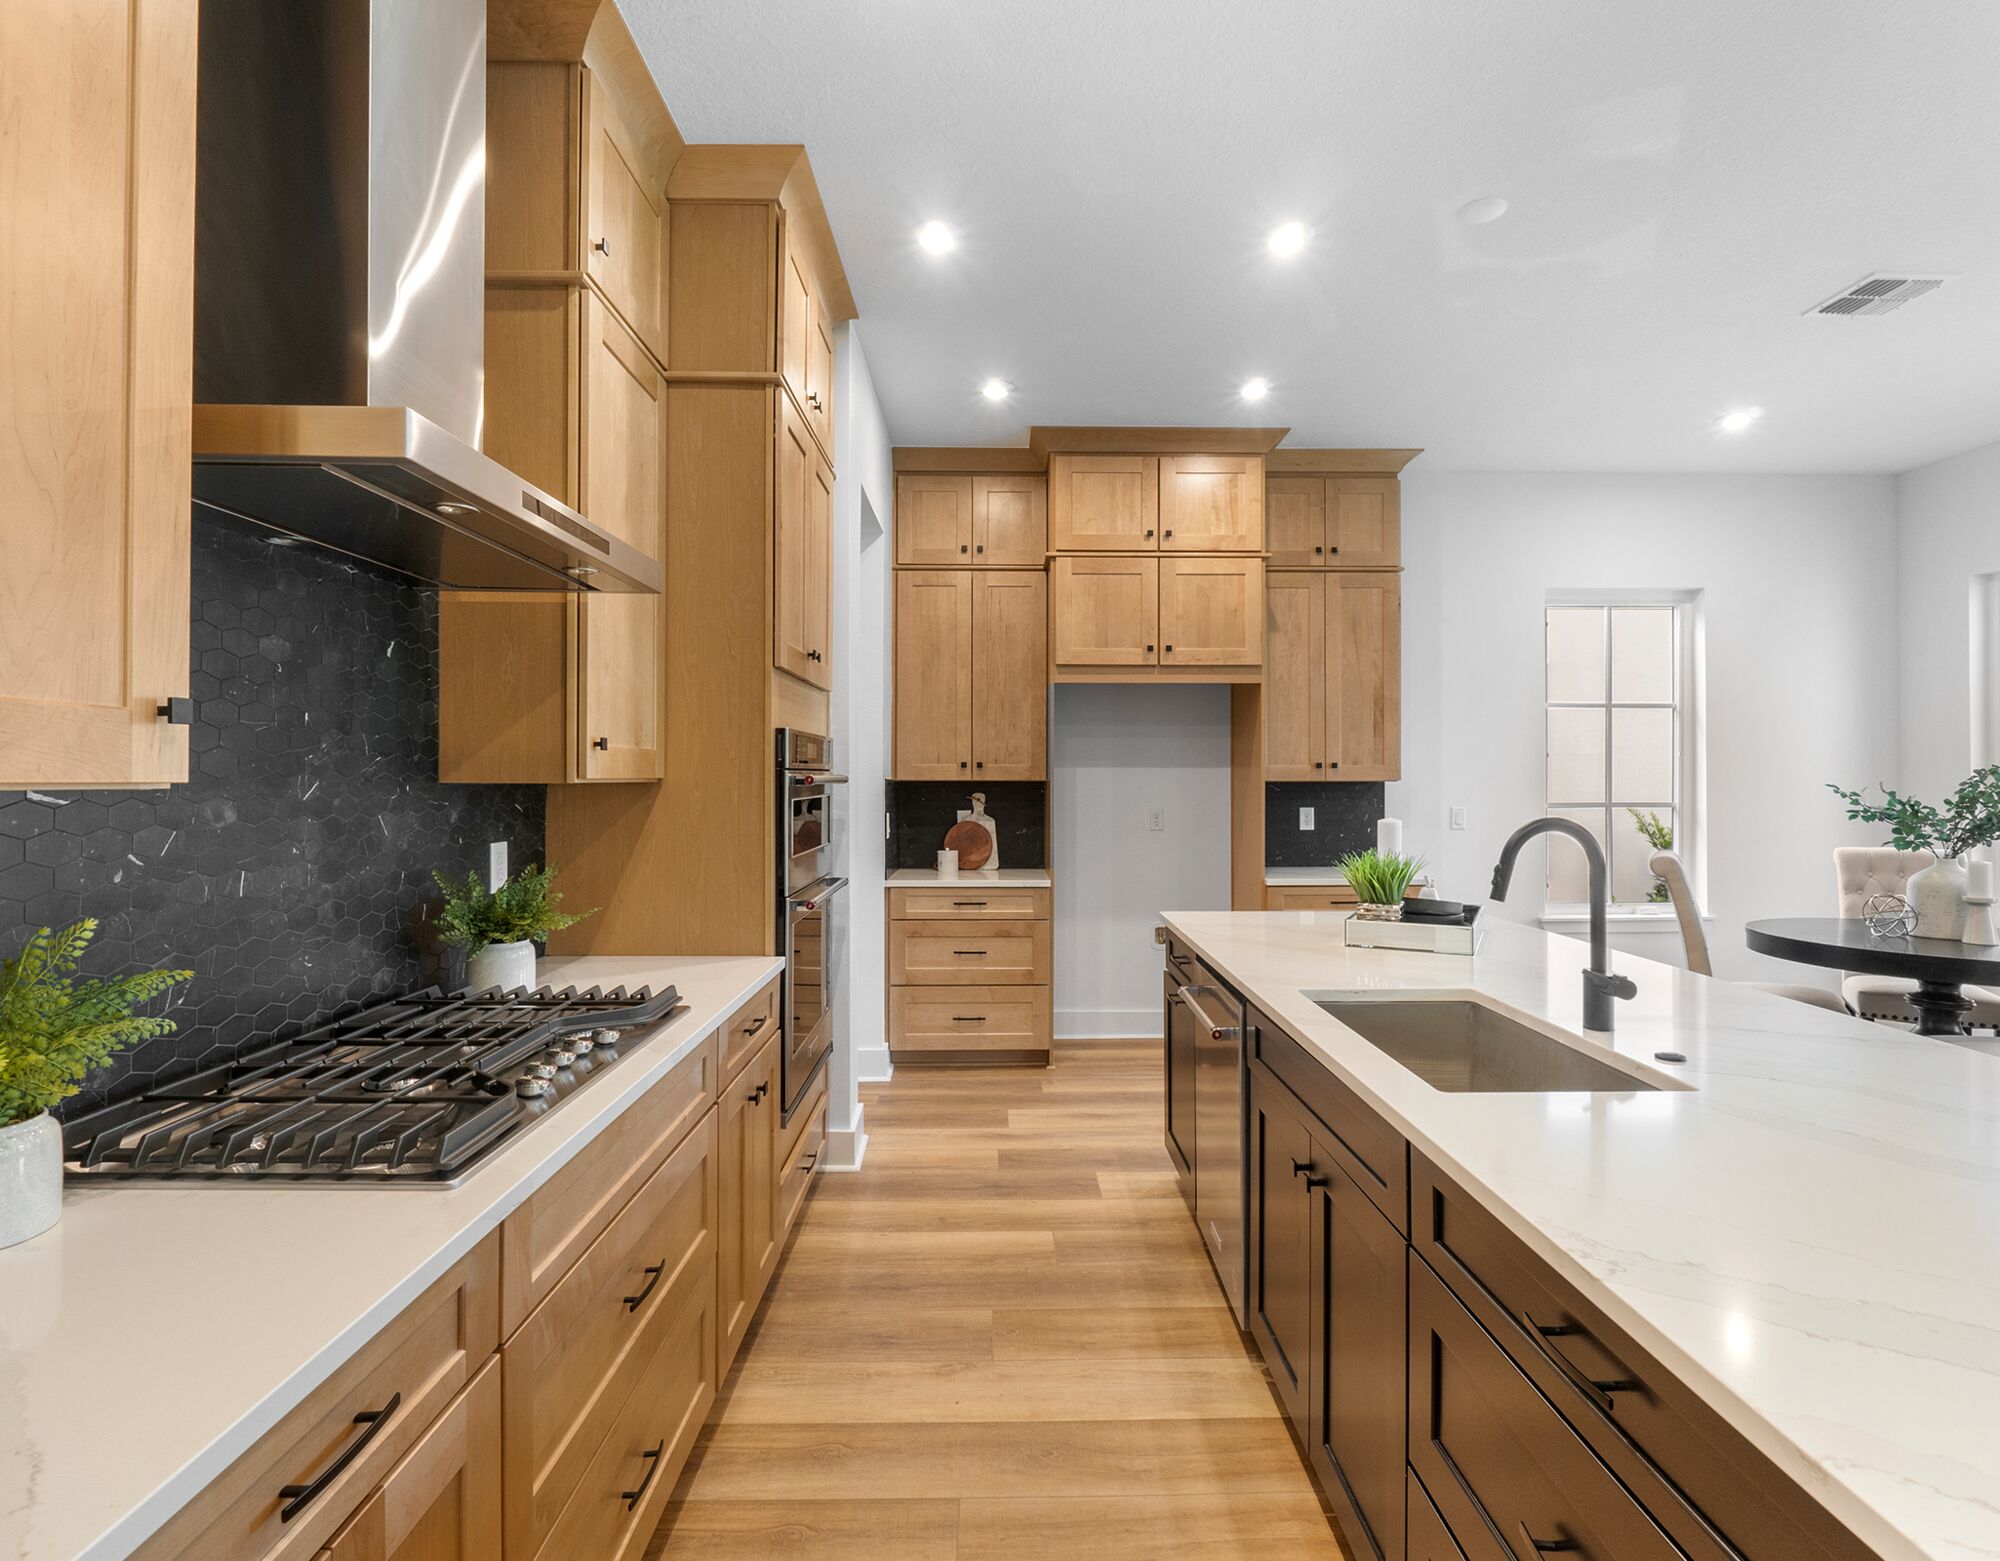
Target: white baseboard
(845, 1147)
(1103, 1024)
(872, 1065)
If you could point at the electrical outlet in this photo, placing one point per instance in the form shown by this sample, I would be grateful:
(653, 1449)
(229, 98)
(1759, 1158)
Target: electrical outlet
(1157, 820)
(496, 864)
(1458, 818)
(1305, 818)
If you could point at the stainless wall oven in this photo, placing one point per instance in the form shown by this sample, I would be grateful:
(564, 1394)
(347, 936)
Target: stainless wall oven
(810, 905)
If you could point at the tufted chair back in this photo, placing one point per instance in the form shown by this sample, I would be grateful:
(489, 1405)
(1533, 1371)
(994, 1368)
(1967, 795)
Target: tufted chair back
(1863, 871)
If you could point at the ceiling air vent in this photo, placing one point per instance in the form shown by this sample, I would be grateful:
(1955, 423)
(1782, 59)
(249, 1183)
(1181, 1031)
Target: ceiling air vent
(1878, 294)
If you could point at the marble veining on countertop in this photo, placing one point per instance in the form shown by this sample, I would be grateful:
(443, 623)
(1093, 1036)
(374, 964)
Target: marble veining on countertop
(1810, 1237)
(988, 877)
(158, 1330)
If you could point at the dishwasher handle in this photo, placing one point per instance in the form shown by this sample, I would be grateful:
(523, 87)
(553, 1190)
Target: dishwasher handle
(1216, 1032)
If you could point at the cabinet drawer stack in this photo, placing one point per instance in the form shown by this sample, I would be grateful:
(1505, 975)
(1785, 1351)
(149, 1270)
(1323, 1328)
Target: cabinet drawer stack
(969, 975)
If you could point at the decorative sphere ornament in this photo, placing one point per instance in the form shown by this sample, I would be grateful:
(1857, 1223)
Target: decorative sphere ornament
(1888, 916)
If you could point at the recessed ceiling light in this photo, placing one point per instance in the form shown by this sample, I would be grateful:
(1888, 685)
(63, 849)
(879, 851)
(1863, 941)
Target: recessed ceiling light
(937, 238)
(1735, 422)
(995, 390)
(1256, 389)
(1488, 208)
(1286, 239)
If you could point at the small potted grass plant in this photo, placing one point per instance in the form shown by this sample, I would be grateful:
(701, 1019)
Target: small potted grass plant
(1379, 882)
(499, 928)
(56, 1029)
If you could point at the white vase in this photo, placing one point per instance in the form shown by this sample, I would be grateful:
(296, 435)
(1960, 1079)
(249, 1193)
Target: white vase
(1937, 895)
(508, 966)
(30, 1178)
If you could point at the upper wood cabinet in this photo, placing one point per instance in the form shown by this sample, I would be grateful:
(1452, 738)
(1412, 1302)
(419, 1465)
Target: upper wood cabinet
(97, 381)
(1211, 612)
(971, 674)
(1010, 521)
(945, 521)
(1335, 522)
(805, 344)
(1211, 503)
(1202, 615)
(1104, 503)
(803, 566)
(1104, 612)
(1333, 676)
(623, 220)
(934, 520)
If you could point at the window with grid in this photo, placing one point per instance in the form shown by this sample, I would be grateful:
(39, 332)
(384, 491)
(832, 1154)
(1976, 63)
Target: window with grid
(1614, 744)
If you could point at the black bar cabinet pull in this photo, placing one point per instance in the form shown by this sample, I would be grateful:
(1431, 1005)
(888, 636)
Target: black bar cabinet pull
(962, 905)
(652, 1272)
(299, 1497)
(1598, 1392)
(751, 1029)
(1545, 1546)
(978, 953)
(632, 1498)
(968, 1018)
(1302, 1167)
(1316, 1181)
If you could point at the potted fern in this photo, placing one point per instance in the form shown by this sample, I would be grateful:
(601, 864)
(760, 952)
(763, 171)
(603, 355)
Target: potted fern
(499, 928)
(1379, 882)
(56, 1029)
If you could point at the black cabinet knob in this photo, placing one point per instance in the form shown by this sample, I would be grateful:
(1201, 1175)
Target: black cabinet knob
(601, 744)
(178, 711)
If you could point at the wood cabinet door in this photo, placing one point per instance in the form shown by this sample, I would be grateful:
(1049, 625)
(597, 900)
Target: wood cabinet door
(1295, 676)
(792, 618)
(1426, 1538)
(1279, 1303)
(1010, 521)
(819, 572)
(1211, 503)
(1364, 676)
(1211, 612)
(795, 298)
(1295, 515)
(819, 374)
(623, 482)
(746, 1248)
(442, 1501)
(1010, 675)
(624, 219)
(96, 382)
(1364, 522)
(1355, 1393)
(934, 661)
(1105, 612)
(618, 664)
(1104, 503)
(934, 521)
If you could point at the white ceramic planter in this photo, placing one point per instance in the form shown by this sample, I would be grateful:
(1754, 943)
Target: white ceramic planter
(1937, 894)
(508, 966)
(30, 1178)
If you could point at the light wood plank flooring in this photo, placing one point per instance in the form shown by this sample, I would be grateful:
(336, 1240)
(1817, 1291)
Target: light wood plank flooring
(1001, 1338)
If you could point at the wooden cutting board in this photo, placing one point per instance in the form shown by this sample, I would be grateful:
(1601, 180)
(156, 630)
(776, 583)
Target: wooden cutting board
(973, 845)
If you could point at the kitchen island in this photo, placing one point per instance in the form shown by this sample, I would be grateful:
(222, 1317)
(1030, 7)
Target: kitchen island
(1799, 1247)
(160, 1334)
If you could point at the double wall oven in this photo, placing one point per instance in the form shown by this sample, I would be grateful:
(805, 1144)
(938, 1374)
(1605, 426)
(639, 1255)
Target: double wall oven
(811, 909)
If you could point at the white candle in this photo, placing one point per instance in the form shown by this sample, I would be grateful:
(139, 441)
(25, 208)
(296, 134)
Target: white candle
(1389, 837)
(1978, 880)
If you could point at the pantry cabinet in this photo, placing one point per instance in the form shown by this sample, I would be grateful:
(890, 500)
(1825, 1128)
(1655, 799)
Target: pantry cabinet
(805, 343)
(971, 679)
(802, 565)
(1333, 675)
(97, 380)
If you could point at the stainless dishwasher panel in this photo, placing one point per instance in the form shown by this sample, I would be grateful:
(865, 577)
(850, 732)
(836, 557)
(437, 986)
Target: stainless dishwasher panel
(1219, 1081)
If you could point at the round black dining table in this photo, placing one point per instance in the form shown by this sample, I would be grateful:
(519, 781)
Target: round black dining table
(1939, 966)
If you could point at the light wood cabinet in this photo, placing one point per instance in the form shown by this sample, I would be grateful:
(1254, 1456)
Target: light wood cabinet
(1201, 614)
(1295, 515)
(442, 1501)
(747, 1225)
(623, 221)
(1104, 503)
(1211, 503)
(971, 684)
(97, 382)
(1211, 612)
(946, 953)
(803, 562)
(1104, 612)
(1010, 523)
(1335, 522)
(805, 344)
(934, 520)
(969, 975)
(1333, 676)
(946, 521)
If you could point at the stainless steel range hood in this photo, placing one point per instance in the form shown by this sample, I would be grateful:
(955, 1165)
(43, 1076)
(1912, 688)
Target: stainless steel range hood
(340, 299)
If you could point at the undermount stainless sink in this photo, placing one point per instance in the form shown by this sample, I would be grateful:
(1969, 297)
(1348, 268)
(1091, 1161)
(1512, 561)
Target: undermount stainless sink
(1468, 1048)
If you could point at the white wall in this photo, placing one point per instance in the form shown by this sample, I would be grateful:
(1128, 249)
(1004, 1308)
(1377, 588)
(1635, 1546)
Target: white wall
(1797, 576)
(863, 490)
(1948, 517)
(1116, 753)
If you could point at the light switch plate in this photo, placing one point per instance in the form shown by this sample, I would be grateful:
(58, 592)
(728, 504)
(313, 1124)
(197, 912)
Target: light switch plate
(496, 864)
(1305, 818)
(1458, 818)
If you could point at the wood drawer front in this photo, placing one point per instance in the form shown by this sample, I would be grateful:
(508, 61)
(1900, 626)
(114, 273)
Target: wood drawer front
(541, 1240)
(962, 1021)
(571, 1364)
(647, 1444)
(1719, 1496)
(1497, 1458)
(801, 1162)
(1330, 898)
(421, 1360)
(969, 901)
(1368, 1149)
(747, 1030)
(1427, 1538)
(941, 954)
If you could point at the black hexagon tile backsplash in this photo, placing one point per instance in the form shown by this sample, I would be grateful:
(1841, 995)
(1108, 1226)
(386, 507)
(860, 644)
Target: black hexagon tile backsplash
(292, 873)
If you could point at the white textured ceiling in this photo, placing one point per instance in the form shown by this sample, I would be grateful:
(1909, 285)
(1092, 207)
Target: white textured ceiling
(1686, 176)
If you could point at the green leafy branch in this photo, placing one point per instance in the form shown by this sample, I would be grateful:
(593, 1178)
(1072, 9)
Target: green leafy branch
(1969, 818)
(521, 910)
(1380, 880)
(1659, 834)
(56, 1029)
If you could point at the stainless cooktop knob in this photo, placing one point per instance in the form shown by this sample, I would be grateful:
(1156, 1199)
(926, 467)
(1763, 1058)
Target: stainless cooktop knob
(581, 1044)
(528, 1087)
(561, 1055)
(609, 1037)
(540, 1070)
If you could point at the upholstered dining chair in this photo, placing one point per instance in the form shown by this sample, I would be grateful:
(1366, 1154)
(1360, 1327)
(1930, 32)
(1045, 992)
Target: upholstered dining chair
(1860, 873)
(1668, 869)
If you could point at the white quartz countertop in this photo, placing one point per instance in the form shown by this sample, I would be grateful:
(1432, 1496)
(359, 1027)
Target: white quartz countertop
(1010, 877)
(1313, 877)
(157, 1331)
(1810, 1237)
